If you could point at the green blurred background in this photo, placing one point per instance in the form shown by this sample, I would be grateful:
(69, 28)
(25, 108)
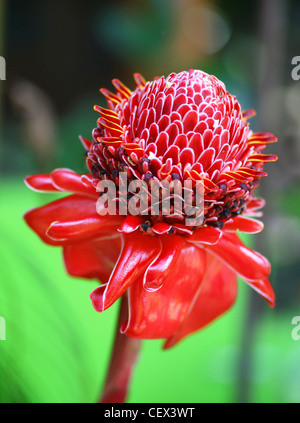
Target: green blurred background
(53, 346)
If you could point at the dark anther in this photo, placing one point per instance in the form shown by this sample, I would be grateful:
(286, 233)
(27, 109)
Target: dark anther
(145, 159)
(145, 226)
(220, 225)
(218, 208)
(223, 187)
(148, 176)
(171, 231)
(121, 152)
(175, 176)
(226, 213)
(244, 187)
(216, 224)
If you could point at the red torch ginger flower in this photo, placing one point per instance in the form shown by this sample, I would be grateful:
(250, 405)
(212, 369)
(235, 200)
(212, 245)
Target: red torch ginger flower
(177, 277)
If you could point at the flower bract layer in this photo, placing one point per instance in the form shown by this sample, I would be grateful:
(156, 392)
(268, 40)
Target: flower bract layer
(185, 129)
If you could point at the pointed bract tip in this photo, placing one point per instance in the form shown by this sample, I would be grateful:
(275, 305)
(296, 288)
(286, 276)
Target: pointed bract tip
(97, 298)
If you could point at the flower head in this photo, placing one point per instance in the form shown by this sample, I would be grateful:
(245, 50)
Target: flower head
(178, 277)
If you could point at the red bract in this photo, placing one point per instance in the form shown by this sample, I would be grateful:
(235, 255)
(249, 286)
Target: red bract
(178, 278)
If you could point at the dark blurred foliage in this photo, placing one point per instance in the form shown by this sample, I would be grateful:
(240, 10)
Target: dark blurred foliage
(68, 50)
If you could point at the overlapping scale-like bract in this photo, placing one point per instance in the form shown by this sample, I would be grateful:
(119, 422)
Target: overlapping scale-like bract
(183, 127)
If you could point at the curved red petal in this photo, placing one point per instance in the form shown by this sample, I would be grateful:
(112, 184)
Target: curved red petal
(206, 235)
(67, 180)
(68, 208)
(256, 204)
(156, 274)
(40, 183)
(90, 226)
(130, 224)
(253, 213)
(159, 314)
(214, 297)
(244, 224)
(137, 254)
(265, 289)
(248, 263)
(93, 259)
(97, 297)
(161, 228)
(182, 229)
